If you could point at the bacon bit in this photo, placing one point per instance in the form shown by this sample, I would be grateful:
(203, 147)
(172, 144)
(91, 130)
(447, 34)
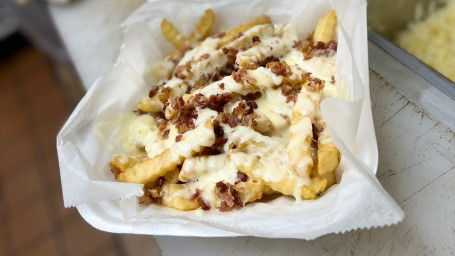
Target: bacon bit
(239, 111)
(279, 68)
(205, 56)
(221, 86)
(256, 40)
(315, 83)
(290, 92)
(221, 187)
(241, 177)
(218, 130)
(153, 92)
(204, 206)
(267, 60)
(218, 145)
(232, 121)
(214, 102)
(230, 53)
(186, 122)
(241, 76)
(252, 104)
(220, 35)
(252, 96)
(180, 72)
(296, 44)
(333, 80)
(165, 134)
(224, 207)
(197, 196)
(229, 196)
(320, 45)
(236, 197)
(178, 138)
(241, 114)
(333, 45)
(236, 76)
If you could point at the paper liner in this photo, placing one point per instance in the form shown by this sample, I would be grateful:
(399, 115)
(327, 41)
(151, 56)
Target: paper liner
(358, 201)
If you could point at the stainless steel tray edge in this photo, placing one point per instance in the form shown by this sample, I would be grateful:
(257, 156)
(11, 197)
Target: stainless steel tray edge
(421, 84)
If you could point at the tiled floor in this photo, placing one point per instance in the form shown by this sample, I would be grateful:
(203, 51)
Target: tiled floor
(34, 104)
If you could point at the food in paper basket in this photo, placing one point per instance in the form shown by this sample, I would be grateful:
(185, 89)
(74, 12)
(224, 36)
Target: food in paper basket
(235, 116)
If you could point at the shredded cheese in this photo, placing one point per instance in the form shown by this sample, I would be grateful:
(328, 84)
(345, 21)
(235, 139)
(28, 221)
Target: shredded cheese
(432, 40)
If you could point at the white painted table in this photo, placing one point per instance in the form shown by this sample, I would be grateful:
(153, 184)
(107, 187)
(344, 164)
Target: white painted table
(416, 159)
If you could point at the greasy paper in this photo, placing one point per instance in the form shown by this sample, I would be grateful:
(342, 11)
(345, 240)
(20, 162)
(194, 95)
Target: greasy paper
(87, 141)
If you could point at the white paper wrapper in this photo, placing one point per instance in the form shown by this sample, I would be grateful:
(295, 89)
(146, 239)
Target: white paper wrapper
(358, 201)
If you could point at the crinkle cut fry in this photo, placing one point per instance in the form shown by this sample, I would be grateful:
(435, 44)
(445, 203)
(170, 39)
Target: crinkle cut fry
(325, 30)
(171, 198)
(202, 29)
(286, 187)
(233, 33)
(250, 191)
(149, 170)
(121, 163)
(328, 154)
(172, 34)
(158, 166)
(301, 131)
(154, 105)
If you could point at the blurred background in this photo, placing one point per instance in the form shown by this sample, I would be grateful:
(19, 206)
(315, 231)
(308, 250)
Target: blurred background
(50, 53)
(39, 88)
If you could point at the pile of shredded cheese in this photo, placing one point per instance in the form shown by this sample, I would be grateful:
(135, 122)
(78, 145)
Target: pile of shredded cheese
(432, 40)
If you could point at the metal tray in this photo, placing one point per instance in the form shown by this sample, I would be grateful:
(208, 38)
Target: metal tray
(416, 80)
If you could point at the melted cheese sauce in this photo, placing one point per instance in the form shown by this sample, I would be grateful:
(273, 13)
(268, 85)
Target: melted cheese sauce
(271, 149)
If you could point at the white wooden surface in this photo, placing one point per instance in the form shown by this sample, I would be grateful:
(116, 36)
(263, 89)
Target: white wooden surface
(416, 152)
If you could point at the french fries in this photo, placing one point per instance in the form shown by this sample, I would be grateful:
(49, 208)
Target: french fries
(234, 33)
(325, 30)
(222, 143)
(299, 147)
(202, 29)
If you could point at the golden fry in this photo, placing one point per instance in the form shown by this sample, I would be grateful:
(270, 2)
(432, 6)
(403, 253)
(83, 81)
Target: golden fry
(325, 30)
(250, 191)
(121, 163)
(328, 158)
(288, 187)
(172, 35)
(150, 170)
(299, 147)
(170, 198)
(328, 154)
(172, 176)
(151, 105)
(233, 33)
(204, 26)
